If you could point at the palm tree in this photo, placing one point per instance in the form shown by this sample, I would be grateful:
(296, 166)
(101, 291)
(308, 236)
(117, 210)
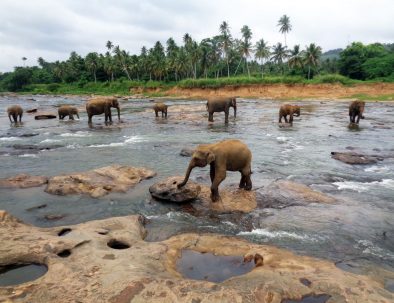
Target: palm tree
(285, 26)
(24, 60)
(246, 45)
(279, 54)
(262, 51)
(296, 57)
(122, 57)
(109, 45)
(172, 52)
(226, 42)
(91, 62)
(312, 56)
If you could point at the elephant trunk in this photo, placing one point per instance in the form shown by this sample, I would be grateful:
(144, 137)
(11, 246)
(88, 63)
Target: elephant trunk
(118, 113)
(189, 170)
(235, 111)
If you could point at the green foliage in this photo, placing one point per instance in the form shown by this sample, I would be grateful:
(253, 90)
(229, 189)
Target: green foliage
(378, 67)
(333, 78)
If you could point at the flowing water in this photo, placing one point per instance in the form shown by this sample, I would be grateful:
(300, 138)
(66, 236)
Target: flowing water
(359, 229)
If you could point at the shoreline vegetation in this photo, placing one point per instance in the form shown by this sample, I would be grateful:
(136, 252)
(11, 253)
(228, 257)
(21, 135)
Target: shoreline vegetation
(325, 87)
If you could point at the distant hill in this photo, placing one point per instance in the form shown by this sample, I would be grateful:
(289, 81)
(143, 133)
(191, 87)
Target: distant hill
(331, 54)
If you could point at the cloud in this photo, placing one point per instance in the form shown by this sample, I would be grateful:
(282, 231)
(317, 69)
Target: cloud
(52, 29)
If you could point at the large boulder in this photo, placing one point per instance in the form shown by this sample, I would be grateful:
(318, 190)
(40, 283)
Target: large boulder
(283, 193)
(355, 158)
(23, 181)
(168, 190)
(98, 182)
(231, 198)
(108, 261)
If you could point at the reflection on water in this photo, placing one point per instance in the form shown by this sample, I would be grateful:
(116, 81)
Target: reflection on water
(360, 227)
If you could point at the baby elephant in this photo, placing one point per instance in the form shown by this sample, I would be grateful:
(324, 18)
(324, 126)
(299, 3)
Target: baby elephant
(289, 110)
(102, 105)
(356, 108)
(67, 110)
(227, 155)
(15, 111)
(160, 107)
(221, 105)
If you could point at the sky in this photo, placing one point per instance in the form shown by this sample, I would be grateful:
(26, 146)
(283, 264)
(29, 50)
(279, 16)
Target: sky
(53, 28)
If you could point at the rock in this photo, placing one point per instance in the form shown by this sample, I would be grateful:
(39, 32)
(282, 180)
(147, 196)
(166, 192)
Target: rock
(98, 182)
(33, 147)
(355, 158)
(42, 117)
(231, 198)
(37, 207)
(33, 110)
(54, 217)
(23, 181)
(168, 190)
(187, 152)
(283, 193)
(101, 268)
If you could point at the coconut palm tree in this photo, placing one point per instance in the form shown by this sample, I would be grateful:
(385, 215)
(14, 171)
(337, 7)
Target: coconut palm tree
(296, 57)
(122, 57)
(262, 52)
(24, 60)
(109, 45)
(226, 42)
(91, 62)
(246, 45)
(312, 56)
(285, 26)
(279, 54)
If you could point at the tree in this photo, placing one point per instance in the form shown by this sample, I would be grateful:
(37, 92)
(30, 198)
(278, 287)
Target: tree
(285, 26)
(109, 45)
(279, 54)
(262, 52)
(246, 45)
(226, 41)
(24, 60)
(296, 57)
(312, 56)
(92, 62)
(121, 57)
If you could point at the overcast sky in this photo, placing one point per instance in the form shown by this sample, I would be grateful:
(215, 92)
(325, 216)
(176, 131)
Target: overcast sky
(53, 28)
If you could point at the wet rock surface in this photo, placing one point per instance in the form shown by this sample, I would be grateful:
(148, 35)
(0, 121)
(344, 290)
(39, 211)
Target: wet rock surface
(23, 181)
(98, 182)
(187, 152)
(82, 266)
(355, 158)
(283, 193)
(44, 117)
(231, 198)
(168, 190)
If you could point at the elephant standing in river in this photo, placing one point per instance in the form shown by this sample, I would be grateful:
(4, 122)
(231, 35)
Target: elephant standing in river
(67, 110)
(15, 111)
(102, 105)
(160, 107)
(221, 105)
(356, 109)
(289, 110)
(227, 155)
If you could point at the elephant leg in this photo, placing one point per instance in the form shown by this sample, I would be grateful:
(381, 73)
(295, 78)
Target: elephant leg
(110, 116)
(358, 119)
(212, 172)
(9, 117)
(90, 118)
(291, 118)
(166, 114)
(20, 117)
(15, 116)
(70, 117)
(210, 118)
(243, 180)
(162, 113)
(77, 115)
(226, 113)
(219, 177)
(353, 118)
(246, 173)
(280, 118)
(157, 113)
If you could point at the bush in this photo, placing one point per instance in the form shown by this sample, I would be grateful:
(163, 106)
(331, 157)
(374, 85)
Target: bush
(53, 87)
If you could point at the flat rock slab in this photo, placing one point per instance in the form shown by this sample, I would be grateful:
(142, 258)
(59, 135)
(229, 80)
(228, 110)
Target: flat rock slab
(108, 261)
(355, 158)
(231, 198)
(23, 181)
(43, 117)
(168, 190)
(283, 193)
(98, 182)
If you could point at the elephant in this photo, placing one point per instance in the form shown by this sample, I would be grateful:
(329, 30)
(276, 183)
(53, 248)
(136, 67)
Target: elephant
(15, 111)
(160, 107)
(67, 110)
(100, 105)
(356, 108)
(289, 110)
(227, 155)
(221, 105)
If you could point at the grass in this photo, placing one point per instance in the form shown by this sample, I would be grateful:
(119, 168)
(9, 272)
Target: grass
(365, 97)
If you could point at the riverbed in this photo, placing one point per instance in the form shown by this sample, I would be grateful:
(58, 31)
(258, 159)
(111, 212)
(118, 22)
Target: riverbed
(357, 232)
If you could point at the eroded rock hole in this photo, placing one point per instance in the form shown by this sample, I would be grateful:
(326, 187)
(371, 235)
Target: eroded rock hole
(208, 267)
(64, 253)
(64, 232)
(305, 281)
(116, 244)
(15, 274)
(323, 298)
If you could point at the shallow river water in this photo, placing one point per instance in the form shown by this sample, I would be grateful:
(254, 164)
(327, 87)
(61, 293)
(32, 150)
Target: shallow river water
(359, 229)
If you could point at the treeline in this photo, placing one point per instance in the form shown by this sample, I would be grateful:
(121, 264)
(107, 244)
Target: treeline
(221, 56)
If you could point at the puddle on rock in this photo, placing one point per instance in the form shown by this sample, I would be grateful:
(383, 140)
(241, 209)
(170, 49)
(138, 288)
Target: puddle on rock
(20, 273)
(206, 266)
(323, 298)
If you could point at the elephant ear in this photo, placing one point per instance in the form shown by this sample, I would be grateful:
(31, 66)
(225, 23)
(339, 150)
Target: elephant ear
(210, 157)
